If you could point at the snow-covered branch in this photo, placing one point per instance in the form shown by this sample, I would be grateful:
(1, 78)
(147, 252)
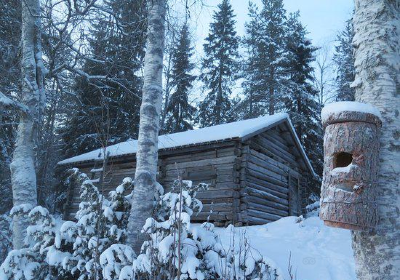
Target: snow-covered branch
(6, 102)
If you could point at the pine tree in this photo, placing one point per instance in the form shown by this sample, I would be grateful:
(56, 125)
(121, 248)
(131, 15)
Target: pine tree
(264, 69)
(179, 111)
(219, 67)
(110, 87)
(344, 60)
(300, 94)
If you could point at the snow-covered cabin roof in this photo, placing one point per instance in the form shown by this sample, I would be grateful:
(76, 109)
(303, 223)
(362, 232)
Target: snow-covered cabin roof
(235, 130)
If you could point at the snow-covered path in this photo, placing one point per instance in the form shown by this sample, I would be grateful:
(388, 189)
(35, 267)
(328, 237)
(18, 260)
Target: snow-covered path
(317, 252)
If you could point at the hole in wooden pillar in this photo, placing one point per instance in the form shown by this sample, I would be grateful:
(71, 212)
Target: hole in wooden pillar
(342, 159)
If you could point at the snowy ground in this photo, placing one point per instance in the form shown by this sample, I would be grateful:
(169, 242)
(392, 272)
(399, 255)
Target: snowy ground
(317, 252)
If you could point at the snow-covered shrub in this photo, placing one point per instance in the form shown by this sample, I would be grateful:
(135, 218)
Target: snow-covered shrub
(312, 209)
(175, 248)
(5, 236)
(179, 250)
(101, 223)
(72, 250)
(29, 263)
(242, 262)
(94, 246)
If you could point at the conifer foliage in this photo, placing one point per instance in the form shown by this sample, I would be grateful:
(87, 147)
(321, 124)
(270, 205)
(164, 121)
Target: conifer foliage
(109, 86)
(179, 110)
(344, 61)
(300, 94)
(264, 67)
(219, 67)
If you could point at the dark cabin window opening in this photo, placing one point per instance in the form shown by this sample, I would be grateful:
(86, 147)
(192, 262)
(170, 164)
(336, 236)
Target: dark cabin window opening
(342, 159)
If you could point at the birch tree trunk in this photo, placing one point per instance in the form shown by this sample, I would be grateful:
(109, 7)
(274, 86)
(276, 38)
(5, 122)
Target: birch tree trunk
(150, 111)
(377, 62)
(23, 174)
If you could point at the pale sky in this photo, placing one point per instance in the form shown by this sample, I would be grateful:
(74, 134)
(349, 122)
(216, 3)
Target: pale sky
(322, 18)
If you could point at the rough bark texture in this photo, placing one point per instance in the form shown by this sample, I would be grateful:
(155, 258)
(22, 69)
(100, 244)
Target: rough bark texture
(23, 163)
(351, 148)
(377, 54)
(150, 110)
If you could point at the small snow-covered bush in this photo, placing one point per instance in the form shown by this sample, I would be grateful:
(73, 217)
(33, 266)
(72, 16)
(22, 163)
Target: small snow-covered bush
(94, 246)
(5, 236)
(179, 250)
(72, 250)
(314, 206)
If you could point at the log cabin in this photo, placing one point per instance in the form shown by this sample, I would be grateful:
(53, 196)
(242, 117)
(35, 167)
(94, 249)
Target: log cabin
(256, 169)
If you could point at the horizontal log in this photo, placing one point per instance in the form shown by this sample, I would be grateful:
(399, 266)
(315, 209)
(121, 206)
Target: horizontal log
(279, 145)
(264, 208)
(266, 195)
(262, 201)
(265, 177)
(212, 185)
(218, 194)
(263, 215)
(258, 221)
(283, 195)
(203, 162)
(264, 170)
(267, 165)
(198, 153)
(269, 144)
(273, 154)
(219, 207)
(202, 217)
(265, 183)
(275, 165)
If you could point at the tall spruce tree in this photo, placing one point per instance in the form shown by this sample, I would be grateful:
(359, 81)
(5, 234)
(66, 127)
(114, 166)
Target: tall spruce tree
(344, 60)
(110, 87)
(219, 67)
(300, 95)
(264, 70)
(179, 111)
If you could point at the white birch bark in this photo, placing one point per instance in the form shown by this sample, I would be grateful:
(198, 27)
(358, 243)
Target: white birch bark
(23, 175)
(150, 111)
(377, 62)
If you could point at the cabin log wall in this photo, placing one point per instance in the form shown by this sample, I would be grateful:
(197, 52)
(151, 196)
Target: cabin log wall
(253, 181)
(270, 179)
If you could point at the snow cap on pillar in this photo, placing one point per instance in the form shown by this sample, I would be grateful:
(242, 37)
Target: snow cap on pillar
(351, 150)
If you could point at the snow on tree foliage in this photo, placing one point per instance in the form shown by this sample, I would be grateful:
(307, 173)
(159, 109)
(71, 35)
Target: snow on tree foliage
(95, 247)
(179, 110)
(219, 68)
(110, 83)
(300, 94)
(72, 250)
(264, 68)
(5, 236)
(344, 61)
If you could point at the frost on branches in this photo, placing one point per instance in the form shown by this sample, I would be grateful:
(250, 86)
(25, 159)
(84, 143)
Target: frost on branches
(95, 247)
(73, 250)
(5, 236)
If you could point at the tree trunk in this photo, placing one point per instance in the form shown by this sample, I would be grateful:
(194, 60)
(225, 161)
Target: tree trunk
(23, 174)
(377, 59)
(147, 155)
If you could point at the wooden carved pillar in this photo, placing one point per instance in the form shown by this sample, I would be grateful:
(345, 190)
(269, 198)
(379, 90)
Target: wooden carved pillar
(351, 148)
